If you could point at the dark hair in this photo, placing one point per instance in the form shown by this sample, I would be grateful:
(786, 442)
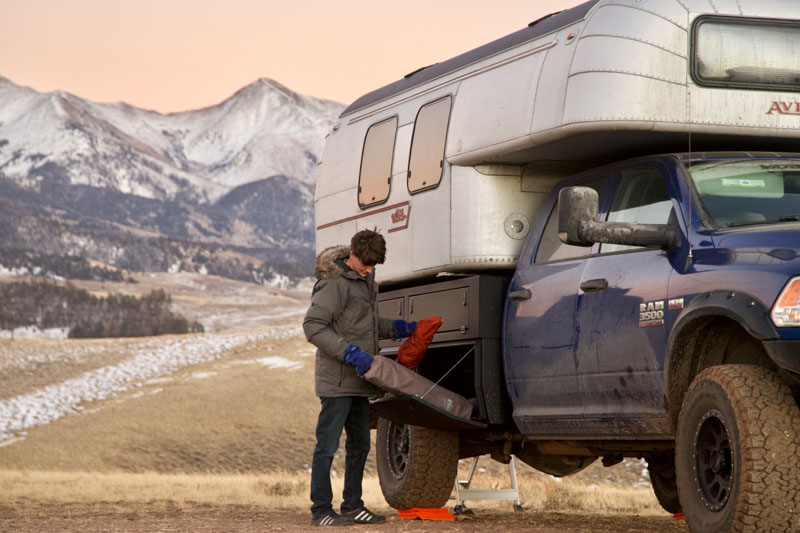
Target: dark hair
(369, 246)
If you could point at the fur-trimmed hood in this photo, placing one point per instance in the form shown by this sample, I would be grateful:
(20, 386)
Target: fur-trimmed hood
(325, 266)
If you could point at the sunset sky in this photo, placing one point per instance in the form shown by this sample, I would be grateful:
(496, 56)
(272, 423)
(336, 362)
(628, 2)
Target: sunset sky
(174, 55)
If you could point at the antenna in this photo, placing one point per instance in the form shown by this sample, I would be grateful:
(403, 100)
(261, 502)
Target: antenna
(690, 256)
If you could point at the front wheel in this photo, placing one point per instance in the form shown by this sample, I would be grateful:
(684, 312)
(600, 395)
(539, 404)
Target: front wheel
(738, 452)
(417, 466)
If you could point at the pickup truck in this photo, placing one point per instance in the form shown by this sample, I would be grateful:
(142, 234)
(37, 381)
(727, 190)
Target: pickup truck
(617, 264)
(669, 331)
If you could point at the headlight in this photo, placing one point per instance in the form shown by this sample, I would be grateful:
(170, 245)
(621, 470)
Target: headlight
(786, 311)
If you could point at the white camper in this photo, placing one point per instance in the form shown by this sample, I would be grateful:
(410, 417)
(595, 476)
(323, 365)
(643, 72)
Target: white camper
(451, 162)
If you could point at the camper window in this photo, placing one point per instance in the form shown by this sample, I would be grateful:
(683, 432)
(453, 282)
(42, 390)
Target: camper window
(426, 162)
(748, 53)
(375, 178)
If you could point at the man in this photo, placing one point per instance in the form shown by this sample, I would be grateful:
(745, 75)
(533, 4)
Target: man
(343, 323)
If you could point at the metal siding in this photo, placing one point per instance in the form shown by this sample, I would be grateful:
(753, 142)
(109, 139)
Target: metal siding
(731, 107)
(626, 56)
(672, 10)
(638, 25)
(494, 107)
(699, 6)
(594, 97)
(481, 205)
(770, 8)
(552, 84)
(430, 226)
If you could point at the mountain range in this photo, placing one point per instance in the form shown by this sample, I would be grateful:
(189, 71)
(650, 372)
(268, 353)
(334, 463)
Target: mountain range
(226, 189)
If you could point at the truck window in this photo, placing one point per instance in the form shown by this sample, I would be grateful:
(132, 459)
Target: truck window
(642, 197)
(375, 178)
(426, 161)
(550, 246)
(747, 53)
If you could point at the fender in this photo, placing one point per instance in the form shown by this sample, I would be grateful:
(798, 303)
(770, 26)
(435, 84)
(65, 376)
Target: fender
(681, 359)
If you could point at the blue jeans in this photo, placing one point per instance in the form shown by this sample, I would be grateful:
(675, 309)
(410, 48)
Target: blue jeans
(350, 413)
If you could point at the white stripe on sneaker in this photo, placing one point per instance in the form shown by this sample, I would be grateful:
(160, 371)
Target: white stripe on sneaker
(363, 515)
(327, 520)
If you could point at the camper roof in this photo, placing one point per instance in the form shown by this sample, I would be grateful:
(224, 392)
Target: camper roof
(534, 30)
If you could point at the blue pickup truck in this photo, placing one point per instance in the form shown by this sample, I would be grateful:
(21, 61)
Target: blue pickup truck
(654, 313)
(604, 209)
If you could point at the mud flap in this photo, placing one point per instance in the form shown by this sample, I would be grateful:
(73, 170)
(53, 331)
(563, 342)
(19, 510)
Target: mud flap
(413, 410)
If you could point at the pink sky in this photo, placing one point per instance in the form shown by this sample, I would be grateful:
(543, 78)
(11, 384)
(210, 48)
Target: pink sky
(173, 55)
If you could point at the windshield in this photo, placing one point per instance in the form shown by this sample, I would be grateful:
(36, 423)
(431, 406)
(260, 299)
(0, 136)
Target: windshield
(736, 192)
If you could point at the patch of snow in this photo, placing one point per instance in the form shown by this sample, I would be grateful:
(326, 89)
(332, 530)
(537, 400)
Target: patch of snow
(203, 375)
(275, 362)
(9, 442)
(33, 332)
(156, 381)
(19, 271)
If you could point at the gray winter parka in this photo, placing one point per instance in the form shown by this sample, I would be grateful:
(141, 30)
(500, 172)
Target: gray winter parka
(343, 311)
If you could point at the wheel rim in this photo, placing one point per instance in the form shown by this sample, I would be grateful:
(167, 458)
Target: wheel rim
(713, 461)
(398, 449)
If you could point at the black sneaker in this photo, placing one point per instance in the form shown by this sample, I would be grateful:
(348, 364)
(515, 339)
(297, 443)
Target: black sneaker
(364, 516)
(332, 519)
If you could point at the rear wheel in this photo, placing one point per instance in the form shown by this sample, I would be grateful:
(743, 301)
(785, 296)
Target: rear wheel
(662, 478)
(738, 452)
(417, 466)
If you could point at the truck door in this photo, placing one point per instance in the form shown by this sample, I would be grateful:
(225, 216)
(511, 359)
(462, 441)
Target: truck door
(540, 332)
(622, 302)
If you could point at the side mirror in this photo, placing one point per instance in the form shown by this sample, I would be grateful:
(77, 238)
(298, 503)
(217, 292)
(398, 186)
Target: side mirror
(578, 225)
(575, 206)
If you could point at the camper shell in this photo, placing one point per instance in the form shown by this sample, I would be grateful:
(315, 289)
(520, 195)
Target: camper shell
(598, 208)
(452, 162)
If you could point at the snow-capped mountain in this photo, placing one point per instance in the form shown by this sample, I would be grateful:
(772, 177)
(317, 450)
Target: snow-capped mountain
(263, 130)
(81, 178)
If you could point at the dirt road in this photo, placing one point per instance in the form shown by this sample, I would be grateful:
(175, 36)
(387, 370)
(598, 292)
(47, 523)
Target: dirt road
(197, 518)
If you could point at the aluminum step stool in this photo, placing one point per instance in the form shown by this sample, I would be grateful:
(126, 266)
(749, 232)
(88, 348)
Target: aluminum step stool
(464, 492)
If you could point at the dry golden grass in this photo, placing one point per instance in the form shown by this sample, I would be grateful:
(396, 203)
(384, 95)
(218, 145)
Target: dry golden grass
(282, 490)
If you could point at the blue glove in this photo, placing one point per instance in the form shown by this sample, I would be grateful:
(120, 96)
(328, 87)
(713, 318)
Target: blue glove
(403, 329)
(353, 355)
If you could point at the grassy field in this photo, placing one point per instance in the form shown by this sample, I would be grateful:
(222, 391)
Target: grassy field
(283, 490)
(227, 419)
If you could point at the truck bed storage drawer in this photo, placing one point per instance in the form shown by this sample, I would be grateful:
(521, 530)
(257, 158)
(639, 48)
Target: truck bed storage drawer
(470, 307)
(451, 304)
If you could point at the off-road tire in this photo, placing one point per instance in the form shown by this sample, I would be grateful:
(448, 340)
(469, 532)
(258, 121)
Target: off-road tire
(738, 452)
(417, 466)
(662, 478)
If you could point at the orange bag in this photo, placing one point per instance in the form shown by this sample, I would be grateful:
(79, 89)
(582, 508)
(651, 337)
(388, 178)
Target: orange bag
(412, 350)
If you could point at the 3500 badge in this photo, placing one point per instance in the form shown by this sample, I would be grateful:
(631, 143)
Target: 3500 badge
(651, 314)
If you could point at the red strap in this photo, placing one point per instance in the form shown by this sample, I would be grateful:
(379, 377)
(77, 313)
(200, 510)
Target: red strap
(422, 513)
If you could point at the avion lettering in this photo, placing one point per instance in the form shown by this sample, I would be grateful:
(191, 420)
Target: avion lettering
(784, 108)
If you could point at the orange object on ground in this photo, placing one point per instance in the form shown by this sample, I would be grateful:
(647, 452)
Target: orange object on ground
(411, 351)
(678, 516)
(422, 513)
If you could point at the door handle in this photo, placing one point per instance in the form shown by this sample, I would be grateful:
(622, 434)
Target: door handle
(594, 285)
(520, 295)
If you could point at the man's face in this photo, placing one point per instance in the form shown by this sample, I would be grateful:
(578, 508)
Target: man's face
(358, 267)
